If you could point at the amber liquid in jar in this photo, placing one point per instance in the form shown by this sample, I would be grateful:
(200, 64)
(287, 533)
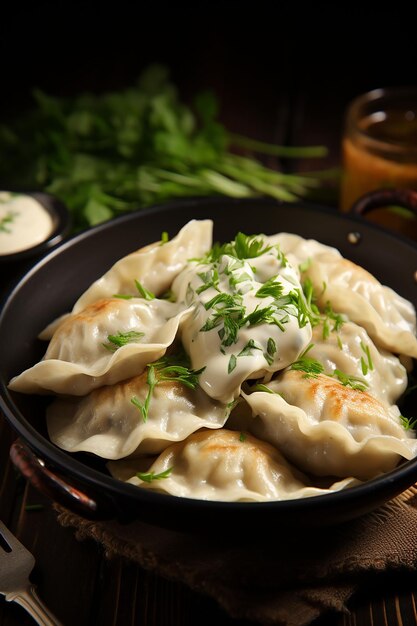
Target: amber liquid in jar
(380, 151)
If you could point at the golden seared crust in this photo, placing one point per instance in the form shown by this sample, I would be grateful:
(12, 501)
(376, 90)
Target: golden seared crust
(337, 396)
(222, 441)
(91, 312)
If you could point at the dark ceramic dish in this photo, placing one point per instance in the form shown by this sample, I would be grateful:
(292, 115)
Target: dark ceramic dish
(60, 229)
(80, 481)
(16, 263)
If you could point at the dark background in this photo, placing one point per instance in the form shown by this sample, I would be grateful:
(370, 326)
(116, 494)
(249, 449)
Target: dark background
(248, 52)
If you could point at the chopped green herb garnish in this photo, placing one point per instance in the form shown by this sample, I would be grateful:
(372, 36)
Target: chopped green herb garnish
(232, 364)
(174, 367)
(262, 387)
(209, 279)
(350, 381)
(7, 220)
(332, 322)
(236, 280)
(337, 318)
(242, 247)
(121, 339)
(228, 310)
(247, 350)
(272, 288)
(151, 382)
(164, 237)
(149, 477)
(367, 364)
(145, 293)
(181, 374)
(311, 367)
(408, 423)
(242, 437)
(263, 316)
(249, 246)
(271, 350)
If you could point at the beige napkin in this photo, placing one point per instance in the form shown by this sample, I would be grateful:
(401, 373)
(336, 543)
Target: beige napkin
(287, 580)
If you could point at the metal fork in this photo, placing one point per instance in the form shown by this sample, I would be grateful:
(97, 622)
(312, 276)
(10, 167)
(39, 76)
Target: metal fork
(15, 567)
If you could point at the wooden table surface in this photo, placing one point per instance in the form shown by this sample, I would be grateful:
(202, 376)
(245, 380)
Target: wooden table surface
(271, 91)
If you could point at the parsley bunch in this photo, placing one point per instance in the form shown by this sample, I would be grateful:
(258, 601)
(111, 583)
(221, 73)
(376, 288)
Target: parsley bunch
(115, 152)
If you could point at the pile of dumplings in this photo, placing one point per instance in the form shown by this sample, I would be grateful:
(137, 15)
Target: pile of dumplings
(267, 368)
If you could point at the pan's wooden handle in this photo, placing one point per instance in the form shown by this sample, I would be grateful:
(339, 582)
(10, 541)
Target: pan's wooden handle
(54, 486)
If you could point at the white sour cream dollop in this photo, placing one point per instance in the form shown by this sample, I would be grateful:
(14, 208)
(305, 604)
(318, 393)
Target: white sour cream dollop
(24, 222)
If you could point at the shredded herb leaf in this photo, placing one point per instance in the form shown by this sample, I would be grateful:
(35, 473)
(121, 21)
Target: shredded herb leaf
(272, 288)
(173, 367)
(408, 423)
(351, 381)
(145, 293)
(122, 339)
(7, 220)
(149, 477)
(262, 387)
(311, 367)
(232, 364)
(366, 365)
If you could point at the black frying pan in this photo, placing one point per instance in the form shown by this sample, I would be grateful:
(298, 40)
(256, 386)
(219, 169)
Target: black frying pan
(80, 481)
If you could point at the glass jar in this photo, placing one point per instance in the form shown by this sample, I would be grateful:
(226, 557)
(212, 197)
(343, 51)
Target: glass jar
(380, 150)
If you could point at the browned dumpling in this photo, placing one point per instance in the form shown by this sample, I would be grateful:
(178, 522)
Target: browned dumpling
(110, 422)
(223, 465)
(111, 340)
(329, 429)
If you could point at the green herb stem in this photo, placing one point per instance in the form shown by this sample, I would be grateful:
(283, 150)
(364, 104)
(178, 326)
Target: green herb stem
(275, 150)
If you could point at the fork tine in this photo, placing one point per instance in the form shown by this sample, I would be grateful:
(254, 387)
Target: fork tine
(8, 537)
(11, 539)
(15, 584)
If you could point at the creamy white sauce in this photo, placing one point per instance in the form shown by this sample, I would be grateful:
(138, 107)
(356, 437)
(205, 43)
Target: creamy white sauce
(24, 222)
(257, 349)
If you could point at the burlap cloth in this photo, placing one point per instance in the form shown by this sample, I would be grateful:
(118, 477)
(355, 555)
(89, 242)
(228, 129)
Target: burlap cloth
(287, 580)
